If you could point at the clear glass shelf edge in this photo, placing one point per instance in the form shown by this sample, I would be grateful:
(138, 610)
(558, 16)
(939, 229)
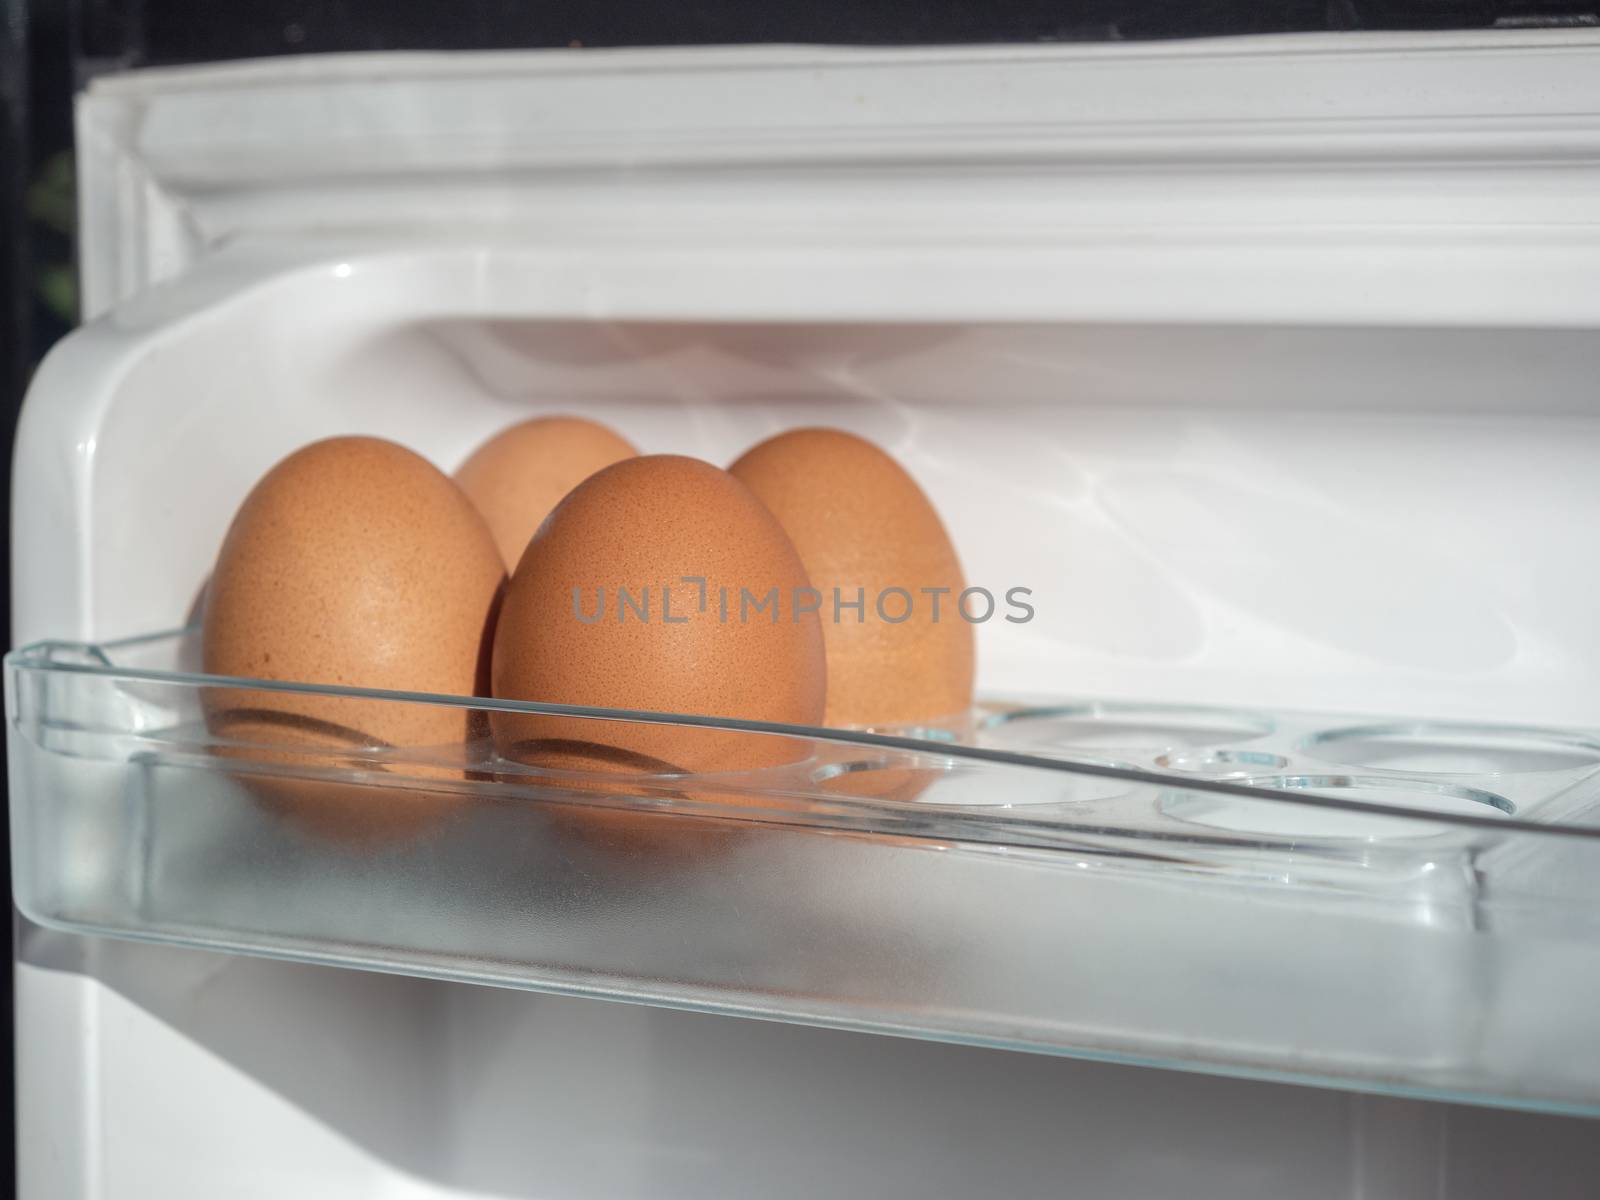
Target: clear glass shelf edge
(1397, 906)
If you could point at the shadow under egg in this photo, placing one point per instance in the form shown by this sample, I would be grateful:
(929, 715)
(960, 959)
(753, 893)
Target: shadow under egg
(640, 818)
(282, 749)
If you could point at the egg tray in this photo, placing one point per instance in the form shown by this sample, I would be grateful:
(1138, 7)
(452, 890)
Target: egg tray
(1405, 906)
(1480, 771)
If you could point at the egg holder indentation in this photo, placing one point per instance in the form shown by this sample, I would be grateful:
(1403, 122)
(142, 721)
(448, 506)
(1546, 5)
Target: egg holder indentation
(1006, 775)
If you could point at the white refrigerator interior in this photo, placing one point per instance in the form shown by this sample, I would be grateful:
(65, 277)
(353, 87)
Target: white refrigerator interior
(1269, 367)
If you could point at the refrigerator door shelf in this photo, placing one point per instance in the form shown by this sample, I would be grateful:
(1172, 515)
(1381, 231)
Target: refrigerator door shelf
(1408, 930)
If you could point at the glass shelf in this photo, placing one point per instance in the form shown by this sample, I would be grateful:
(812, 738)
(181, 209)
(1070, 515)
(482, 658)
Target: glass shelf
(1270, 894)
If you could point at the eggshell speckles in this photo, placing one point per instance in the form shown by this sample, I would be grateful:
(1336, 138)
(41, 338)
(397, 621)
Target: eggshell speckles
(862, 524)
(353, 562)
(644, 525)
(520, 474)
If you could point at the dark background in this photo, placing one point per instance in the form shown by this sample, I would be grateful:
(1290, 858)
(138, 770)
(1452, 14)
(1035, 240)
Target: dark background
(48, 48)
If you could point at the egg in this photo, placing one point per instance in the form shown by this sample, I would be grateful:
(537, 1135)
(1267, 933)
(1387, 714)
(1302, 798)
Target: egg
(516, 477)
(639, 592)
(353, 562)
(866, 532)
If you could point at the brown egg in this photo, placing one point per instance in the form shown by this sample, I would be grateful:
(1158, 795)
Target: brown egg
(366, 811)
(566, 635)
(357, 563)
(520, 474)
(861, 524)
